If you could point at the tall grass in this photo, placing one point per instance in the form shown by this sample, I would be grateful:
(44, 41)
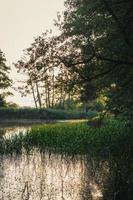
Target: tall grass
(113, 139)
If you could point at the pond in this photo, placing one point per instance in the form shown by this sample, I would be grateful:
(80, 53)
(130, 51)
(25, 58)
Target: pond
(57, 176)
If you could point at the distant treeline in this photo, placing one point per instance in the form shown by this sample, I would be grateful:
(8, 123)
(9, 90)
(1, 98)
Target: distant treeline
(44, 114)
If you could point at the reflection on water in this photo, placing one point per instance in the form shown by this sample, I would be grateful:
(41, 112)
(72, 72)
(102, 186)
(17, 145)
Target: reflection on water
(12, 130)
(49, 176)
(46, 176)
(52, 176)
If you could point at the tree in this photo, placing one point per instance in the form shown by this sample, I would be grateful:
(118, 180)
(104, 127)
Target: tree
(47, 78)
(5, 81)
(2, 101)
(103, 32)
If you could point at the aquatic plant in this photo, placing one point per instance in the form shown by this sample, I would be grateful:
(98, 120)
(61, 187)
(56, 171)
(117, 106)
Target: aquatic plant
(114, 139)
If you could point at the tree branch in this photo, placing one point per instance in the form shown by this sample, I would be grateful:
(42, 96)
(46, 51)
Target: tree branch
(109, 9)
(120, 62)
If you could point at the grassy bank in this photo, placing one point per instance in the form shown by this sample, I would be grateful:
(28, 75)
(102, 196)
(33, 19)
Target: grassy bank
(114, 139)
(41, 114)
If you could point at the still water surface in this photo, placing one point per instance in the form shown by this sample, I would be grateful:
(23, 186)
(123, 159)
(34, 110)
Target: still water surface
(52, 176)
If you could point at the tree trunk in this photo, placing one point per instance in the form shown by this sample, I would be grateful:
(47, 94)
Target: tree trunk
(38, 95)
(34, 97)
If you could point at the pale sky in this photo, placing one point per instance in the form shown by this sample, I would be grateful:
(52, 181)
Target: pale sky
(21, 21)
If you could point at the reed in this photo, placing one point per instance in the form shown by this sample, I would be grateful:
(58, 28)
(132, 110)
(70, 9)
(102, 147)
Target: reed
(114, 139)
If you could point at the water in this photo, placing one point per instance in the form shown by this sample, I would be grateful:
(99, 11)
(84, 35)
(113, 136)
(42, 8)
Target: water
(12, 130)
(51, 176)
(47, 176)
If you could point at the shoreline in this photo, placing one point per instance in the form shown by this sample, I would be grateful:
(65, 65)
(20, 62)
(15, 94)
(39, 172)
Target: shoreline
(9, 122)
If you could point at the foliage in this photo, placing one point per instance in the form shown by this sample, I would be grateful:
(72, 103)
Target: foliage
(91, 114)
(2, 101)
(91, 56)
(11, 105)
(5, 82)
(112, 140)
(47, 79)
(102, 33)
(44, 114)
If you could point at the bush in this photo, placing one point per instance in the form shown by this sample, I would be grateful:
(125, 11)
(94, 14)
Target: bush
(92, 113)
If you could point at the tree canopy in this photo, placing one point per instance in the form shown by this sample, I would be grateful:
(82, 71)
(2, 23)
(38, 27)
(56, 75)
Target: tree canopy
(103, 31)
(92, 57)
(47, 78)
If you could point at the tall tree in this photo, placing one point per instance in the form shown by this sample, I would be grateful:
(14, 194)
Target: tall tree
(103, 31)
(47, 77)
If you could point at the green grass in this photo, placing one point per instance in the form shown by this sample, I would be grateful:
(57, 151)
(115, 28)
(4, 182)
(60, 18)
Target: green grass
(112, 140)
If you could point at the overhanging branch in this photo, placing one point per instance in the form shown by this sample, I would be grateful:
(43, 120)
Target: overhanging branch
(110, 10)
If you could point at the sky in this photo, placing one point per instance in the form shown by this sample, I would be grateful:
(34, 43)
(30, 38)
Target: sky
(21, 21)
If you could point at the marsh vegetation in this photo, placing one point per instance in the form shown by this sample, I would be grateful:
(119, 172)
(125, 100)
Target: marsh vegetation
(67, 161)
